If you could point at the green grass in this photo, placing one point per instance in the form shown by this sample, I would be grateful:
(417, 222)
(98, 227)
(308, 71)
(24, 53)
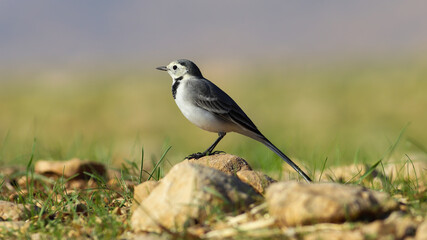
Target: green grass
(338, 111)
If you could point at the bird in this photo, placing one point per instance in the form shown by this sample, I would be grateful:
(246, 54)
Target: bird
(208, 107)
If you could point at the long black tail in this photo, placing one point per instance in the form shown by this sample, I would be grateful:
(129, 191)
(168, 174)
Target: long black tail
(285, 158)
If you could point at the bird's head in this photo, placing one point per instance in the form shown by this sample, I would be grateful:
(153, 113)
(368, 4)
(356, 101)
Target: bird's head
(181, 68)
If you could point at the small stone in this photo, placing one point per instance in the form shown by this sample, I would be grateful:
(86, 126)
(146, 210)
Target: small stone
(77, 184)
(396, 226)
(415, 171)
(13, 226)
(10, 211)
(258, 180)
(70, 168)
(188, 194)
(344, 173)
(293, 203)
(226, 163)
(403, 225)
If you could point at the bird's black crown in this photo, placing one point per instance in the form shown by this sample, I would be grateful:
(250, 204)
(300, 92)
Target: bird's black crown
(192, 67)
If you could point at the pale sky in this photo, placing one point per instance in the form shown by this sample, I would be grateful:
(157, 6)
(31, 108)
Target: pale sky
(40, 33)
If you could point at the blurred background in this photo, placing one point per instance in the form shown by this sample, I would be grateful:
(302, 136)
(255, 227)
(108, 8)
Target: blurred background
(321, 79)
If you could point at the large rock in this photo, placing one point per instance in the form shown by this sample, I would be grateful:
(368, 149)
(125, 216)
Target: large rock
(293, 203)
(141, 192)
(70, 168)
(188, 194)
(258, 180)
(226, 163)
(235, 165)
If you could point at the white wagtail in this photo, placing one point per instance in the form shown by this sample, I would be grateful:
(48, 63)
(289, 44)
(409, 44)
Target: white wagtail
(211, 109)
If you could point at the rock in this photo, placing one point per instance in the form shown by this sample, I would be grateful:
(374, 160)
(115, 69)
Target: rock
(403, 225)
(293, 203)
(407, 170)
(396, 226)
(10, 211)
(190, 193)
(70, 168)
(258, 180)
(414, 172)
(422, 231)
(226, 163)
(236, 165)
(141, 192)
(403, 170)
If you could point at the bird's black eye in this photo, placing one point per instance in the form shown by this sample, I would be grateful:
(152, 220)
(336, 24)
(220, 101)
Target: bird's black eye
(174, 67)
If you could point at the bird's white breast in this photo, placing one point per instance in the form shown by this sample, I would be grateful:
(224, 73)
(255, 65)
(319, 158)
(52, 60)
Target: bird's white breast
(198, 116)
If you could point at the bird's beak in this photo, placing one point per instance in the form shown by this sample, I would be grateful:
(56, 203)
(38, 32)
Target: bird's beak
(162, 68)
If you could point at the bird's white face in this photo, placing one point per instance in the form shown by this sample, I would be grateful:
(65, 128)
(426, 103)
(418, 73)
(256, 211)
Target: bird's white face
(181, 69)
(176, 70)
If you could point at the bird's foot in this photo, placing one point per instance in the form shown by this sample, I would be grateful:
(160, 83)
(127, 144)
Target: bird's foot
(202, 154)
(216, 152)
(195, 155)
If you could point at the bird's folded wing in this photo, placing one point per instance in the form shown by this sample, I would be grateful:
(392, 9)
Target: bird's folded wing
(229, 111)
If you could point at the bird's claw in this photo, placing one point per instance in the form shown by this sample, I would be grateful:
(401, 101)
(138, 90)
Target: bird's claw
(216, 152)
(202, 154)
(195, 155)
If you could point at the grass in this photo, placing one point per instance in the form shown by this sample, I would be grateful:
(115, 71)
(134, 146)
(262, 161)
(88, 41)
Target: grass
(321, 115)
(310, 113)
(100, 210)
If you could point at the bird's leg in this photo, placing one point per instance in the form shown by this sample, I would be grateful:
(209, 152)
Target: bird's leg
(209, 150)
(212, 147)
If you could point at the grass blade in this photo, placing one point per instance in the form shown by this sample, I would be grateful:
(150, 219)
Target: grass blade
(142, 165)
(370, 170)
(158, 163)
(323, 168)
(29, 171)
